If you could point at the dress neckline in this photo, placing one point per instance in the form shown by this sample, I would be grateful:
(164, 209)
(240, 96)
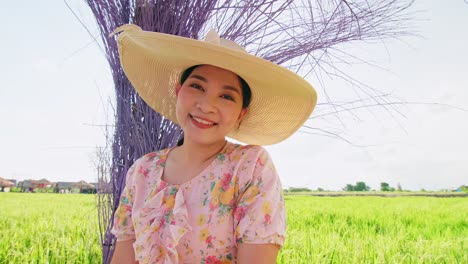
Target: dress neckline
(197, 177)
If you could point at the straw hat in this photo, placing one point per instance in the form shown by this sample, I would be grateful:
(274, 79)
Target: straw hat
(153, 62)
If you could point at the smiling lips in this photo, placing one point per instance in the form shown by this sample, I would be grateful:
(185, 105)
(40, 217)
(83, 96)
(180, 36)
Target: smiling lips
(201, 122)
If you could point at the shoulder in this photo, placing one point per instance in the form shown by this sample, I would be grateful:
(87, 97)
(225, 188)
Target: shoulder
(157, 158)
(146, 165)
(249, 160)
(246, 152)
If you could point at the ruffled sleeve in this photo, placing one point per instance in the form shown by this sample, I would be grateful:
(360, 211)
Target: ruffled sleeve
(123, 225)
(260, 215)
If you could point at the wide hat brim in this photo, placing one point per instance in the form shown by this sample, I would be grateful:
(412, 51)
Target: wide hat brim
(153, 62)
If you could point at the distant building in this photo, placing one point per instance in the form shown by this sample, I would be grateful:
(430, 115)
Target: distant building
(44, 185)
(63, 187)
(5, 185)
(13, 181)
(69, 187)
(33, 185)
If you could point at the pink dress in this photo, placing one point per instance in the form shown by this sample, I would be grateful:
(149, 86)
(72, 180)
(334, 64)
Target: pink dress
(236, 199)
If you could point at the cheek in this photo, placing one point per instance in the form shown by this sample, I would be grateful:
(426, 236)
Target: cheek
(181, 106)
(184, 97)
(232, 114)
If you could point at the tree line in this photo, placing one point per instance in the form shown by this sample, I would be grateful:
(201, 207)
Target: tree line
(361, 186)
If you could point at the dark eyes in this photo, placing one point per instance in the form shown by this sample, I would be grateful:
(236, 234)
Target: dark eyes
(228, 97)
(196, 86)
(224, 96)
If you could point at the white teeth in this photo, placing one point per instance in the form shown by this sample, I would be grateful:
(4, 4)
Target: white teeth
(202, 121)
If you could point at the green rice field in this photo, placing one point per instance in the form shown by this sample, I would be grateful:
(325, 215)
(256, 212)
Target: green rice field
(62, 228)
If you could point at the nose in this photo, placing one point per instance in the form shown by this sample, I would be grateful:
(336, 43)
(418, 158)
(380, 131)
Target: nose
(206, 104)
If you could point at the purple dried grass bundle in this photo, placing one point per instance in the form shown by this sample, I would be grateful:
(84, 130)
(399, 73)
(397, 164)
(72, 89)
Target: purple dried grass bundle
(301, 35)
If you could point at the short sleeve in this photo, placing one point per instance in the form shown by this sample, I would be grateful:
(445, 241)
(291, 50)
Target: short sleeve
(123, 225)
(260, 214)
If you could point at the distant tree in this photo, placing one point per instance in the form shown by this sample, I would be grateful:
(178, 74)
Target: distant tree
(361, 187)
(299, 189)
(348, 188)
(384, 187)
(319, 189)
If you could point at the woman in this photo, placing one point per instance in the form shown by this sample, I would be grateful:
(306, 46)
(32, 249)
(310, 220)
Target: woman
(207, 200)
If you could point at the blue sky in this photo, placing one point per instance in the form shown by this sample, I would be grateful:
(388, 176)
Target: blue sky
(57, 88)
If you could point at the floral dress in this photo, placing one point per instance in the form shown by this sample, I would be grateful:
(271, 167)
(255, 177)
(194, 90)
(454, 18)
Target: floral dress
(236, 199)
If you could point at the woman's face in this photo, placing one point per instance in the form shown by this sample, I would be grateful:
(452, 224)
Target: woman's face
(209, 104)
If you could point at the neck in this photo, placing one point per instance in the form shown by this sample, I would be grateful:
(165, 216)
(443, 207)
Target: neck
(200, 153)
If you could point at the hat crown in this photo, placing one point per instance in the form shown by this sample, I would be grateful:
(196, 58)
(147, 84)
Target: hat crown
(213, 37)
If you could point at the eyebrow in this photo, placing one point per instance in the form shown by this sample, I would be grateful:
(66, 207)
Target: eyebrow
(226, 87)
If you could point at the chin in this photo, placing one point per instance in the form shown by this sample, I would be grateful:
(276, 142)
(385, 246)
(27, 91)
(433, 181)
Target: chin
(205, 140)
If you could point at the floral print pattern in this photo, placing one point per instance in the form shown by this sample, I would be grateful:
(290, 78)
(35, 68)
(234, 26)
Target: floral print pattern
(236, 199)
